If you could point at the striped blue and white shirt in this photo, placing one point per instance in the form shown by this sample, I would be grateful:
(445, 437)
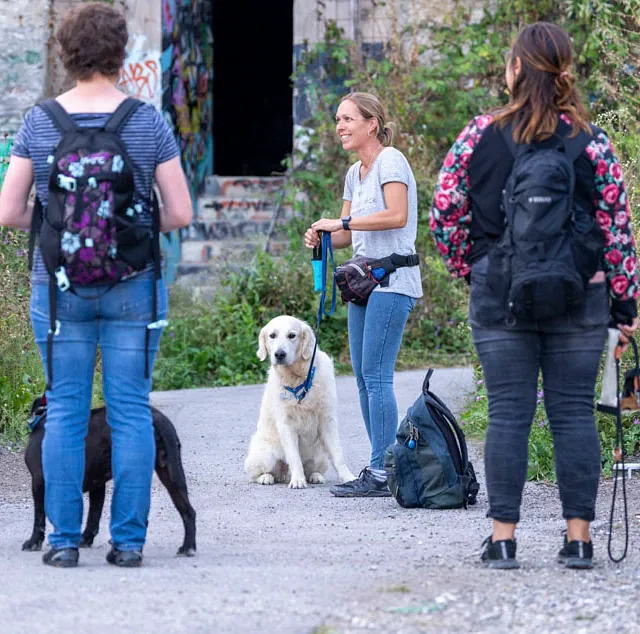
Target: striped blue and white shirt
(146, 135)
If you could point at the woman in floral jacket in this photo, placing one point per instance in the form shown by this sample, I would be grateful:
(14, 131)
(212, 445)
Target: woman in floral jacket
(467, 221)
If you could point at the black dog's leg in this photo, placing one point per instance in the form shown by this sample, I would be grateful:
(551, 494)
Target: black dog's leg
(96, 502)
(37, 537)
(179, 495)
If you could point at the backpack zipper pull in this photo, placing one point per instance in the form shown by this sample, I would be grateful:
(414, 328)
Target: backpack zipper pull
(413, 437)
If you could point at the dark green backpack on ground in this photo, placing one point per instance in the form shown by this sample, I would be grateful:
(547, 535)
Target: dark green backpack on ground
(428, 466)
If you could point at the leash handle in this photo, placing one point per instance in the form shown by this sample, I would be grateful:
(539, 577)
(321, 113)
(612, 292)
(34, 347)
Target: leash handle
(327, 252)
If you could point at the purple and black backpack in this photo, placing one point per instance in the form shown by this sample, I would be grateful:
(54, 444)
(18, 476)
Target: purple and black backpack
(89, 233)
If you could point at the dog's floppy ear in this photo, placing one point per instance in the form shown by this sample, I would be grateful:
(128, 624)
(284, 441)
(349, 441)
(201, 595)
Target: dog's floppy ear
(262, 345)
(308, 342)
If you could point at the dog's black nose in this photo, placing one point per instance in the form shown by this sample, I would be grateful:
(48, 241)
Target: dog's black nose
(280, 355)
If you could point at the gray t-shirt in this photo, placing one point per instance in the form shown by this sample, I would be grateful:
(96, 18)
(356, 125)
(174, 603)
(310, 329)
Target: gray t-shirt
(367, 197)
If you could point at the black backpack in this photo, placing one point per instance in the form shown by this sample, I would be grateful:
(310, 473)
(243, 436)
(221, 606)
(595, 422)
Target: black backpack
(89, 232)
(550, 247)
(428, 466)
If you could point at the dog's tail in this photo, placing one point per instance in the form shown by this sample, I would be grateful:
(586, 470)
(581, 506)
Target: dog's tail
(169, 451)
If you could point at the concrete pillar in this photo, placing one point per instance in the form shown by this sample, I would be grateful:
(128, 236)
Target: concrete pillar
(24, 33)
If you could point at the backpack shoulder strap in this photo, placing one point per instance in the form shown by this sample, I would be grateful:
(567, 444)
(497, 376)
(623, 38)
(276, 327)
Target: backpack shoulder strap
(575, 147)
(58, 115)
(507, 134)
(432, 400)
(36, 223)
(121, 115)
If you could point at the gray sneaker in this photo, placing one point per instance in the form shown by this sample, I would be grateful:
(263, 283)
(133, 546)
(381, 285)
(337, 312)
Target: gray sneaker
(366, 485)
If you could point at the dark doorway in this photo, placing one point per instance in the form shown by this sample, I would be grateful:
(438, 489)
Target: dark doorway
(252, 93)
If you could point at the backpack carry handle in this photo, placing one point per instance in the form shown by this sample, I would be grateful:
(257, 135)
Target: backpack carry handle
(425, 383)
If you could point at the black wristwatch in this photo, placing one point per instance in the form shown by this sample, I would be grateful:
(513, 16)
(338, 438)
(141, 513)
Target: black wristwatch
(345, 222)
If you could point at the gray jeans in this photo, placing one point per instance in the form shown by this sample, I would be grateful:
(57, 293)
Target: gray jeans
(567, 350)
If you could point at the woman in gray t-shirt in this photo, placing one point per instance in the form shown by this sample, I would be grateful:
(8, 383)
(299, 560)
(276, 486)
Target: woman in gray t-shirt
(379, 217)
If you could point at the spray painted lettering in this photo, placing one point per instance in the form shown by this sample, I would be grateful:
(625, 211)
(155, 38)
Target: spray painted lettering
(140, 76)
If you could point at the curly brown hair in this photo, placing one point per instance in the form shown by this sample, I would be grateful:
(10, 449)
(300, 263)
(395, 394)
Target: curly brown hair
(545, 86)
(93, 38)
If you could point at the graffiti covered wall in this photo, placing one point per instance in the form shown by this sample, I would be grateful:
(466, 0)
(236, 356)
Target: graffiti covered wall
(187, 83)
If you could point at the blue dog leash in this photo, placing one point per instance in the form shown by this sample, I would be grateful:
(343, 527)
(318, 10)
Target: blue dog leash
(300, 392)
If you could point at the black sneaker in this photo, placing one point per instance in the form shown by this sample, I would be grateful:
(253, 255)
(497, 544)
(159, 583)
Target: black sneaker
(366, 485)
(500, 554)
(61, 557)
(125, 558)
(576, 554)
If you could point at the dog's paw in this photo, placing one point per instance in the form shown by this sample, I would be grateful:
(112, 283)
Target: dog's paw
(298, 483)
(265, 478)
(345, 475)
(32, 545)
(316, 478)
(86, 541)
(186, 551)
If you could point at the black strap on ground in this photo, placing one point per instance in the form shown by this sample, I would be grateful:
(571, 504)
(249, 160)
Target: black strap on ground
(619, 465)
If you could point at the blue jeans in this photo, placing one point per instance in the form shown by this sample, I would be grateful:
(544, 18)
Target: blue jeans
(567, 350)
(117, 321)
(375, 335)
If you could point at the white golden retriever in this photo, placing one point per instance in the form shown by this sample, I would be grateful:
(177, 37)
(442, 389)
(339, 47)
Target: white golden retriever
(293, 439)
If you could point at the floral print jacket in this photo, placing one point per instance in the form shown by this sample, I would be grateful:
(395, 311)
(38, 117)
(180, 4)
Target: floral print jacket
(452, 210)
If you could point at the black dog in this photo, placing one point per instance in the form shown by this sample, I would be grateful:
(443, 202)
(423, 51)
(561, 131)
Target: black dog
(98, 473)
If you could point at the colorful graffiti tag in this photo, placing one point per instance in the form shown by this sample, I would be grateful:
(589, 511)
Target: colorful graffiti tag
(187, 83)
(140, 76)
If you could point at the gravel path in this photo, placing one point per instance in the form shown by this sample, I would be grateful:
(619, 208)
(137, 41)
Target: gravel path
(303, 562)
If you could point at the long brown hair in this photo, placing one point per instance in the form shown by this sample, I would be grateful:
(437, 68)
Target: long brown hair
(544, 88)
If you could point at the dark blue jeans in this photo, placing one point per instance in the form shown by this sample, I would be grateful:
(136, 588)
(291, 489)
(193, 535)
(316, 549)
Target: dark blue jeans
(567, 350)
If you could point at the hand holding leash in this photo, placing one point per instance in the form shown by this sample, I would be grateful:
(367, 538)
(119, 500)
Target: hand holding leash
(312, 238)
(626, 333)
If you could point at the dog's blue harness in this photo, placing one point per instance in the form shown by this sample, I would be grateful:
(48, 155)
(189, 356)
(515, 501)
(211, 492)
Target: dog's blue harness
(300, 392)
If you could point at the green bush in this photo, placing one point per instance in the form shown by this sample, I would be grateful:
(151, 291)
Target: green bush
(20, 368)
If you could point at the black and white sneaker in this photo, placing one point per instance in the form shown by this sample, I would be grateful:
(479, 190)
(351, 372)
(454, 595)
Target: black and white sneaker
(61, 557)
(124, 558)
(576, 554)
(366, 485)
(500, 555)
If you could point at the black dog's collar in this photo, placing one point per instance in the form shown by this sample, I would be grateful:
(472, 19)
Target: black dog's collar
(36, 418)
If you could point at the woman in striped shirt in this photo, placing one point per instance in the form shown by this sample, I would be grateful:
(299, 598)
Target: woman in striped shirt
(92, 39)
